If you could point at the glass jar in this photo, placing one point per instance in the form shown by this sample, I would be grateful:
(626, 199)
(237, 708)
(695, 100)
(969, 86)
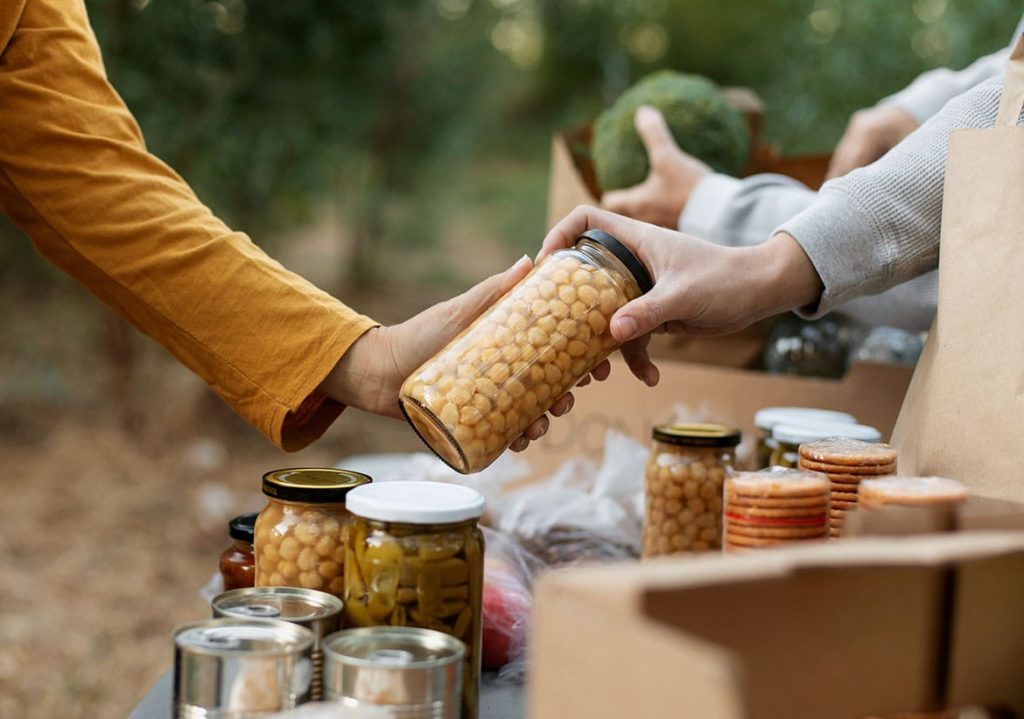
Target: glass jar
(683, 487)
(766, 419)
(414, 558)
(299, 537)
(237, 561)
(788, 439)
(472, 399)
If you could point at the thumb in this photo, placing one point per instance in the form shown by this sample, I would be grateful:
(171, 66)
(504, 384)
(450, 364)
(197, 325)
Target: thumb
(653, 130)
(459, 311)
(622, 202)
(640, 317)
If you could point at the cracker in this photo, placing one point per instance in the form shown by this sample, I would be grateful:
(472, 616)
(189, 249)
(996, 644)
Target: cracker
(778, 503)
(842, 451)
(752, 542)
(912, 491)
(779, 484)
(785, 512)
(734, 531)
(754, 522)
(844, 470)
(840, 504)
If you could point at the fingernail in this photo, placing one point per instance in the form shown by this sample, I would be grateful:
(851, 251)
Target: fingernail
(626, 328)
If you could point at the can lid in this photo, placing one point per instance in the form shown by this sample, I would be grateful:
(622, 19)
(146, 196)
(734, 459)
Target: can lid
(397, 647)
(697, 435)
(312, 484)
(243, 527)
(770, 416)
(798, 434)
(292, 604)
(416, 502)
(627, 258)
(269, 637)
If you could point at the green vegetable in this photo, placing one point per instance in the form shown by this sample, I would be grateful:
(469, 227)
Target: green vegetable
(700, 119)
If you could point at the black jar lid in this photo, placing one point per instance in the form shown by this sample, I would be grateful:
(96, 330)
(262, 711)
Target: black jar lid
(311, 484)
(697, 435)
(243, 527)
(627, 258)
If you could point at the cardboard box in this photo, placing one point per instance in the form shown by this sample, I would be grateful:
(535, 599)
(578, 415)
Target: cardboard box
(871, 392)
(838, 631)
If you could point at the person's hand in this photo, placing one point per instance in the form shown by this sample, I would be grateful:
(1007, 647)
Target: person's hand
(660, 198)
(870, 134)
(699, 288)
(370, 374)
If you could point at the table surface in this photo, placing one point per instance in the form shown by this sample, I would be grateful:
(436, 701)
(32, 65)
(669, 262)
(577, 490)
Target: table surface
(497, 701)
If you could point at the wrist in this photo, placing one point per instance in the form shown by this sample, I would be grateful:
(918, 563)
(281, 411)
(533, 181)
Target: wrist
(358, 379)
(785, 277)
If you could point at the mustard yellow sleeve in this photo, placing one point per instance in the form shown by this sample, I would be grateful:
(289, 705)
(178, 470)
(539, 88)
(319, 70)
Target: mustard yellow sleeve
(76, 177)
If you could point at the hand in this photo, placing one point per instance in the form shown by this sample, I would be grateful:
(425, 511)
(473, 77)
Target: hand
(700, 288)
(870, 134)
(370, 374)
(660, 198)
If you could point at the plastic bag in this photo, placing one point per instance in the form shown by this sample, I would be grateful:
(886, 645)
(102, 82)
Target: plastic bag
(509, 571)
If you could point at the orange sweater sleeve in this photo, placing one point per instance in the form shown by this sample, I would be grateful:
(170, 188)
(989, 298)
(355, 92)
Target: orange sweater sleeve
(76, 177)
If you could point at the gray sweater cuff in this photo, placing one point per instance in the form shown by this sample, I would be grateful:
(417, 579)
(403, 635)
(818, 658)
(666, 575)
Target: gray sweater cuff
(708, 202)
(845, 245)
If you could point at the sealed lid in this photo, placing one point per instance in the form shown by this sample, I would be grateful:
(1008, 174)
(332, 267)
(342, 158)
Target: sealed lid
(313, 485)
(416, 502)
(242, 527)
(291, 604)
(768, 417)
(268, 637)
(798, 434)
(697, 435)
(627, 258)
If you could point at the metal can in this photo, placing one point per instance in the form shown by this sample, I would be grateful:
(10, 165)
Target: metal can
(317, 611)
(240, 668)
(402, 672)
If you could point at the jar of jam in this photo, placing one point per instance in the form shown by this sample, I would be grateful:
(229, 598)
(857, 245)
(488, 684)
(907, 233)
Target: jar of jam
(238, 562)
(471, 400)
(788, 438)
(683, 486)
(299, 536)
(414, 558)
(766, 419)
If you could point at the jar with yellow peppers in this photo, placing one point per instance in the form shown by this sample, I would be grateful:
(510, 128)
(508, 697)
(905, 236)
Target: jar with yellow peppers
(471, 400)
(683, 487)
(299, 538)
(414, 558)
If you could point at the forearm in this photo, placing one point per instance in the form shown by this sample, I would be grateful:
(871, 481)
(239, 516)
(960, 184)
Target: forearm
(879, 226)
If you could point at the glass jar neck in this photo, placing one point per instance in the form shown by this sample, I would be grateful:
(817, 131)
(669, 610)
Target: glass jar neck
(286, 503)
(418, 528)
(602, 257)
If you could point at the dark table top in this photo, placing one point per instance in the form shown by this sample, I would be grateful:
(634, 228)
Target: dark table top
(497, 701)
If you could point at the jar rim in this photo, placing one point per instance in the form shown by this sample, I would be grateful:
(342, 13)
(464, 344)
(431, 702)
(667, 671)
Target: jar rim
(697, 435)
(314, 485)
(408, 502)
(622, 253)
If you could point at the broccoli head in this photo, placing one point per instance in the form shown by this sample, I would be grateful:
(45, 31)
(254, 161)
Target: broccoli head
(696, 111)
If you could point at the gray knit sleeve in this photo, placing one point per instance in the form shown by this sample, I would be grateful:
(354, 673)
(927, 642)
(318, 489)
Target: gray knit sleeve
(879, 226)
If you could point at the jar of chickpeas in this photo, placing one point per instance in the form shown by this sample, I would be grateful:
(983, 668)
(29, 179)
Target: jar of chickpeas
(471, 400)
(684, 479)
(414, 558)
(299, 538)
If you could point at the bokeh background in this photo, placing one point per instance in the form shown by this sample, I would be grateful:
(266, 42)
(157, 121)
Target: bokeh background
(394, 152)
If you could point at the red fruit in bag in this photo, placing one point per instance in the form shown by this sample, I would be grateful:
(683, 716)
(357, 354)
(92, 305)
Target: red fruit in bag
(506, 608)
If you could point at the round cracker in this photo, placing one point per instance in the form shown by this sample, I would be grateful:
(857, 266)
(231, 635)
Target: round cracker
(844, 497)
(739, 530)
(842, 451)
(839, 504)
(784, 512)
(841, 470)
(912, 491)
(778, 484)
(778, 503)
(779, 522)
(755, 542)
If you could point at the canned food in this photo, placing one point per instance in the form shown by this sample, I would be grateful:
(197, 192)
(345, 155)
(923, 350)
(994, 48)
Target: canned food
(415, 672)
(238, 561)
(240, 668)
(317, 611)
(414, 557)
(300, 533)
(766, 419)
(471, 400)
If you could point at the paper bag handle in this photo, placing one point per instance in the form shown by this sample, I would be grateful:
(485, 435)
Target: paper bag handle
(1013, 88)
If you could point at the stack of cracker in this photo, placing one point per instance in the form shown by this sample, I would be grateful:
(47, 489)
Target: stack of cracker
(911, 492)
(846, 462)
(774, 508)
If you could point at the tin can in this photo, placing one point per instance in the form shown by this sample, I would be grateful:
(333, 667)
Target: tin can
(404, 672)
(319, 612)
(240, 668)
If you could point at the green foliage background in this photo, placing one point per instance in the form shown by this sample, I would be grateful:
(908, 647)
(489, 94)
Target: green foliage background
(409, 113)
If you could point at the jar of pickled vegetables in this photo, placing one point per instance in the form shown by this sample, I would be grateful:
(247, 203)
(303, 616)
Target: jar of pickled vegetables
(766, 419)
(683, 487)
(788, 439)
(299, 539)
(471, 400)
(238, 562)
(414, 558)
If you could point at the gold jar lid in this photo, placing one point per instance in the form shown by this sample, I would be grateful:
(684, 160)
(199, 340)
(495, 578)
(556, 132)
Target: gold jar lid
(311, 484)
(697, 435)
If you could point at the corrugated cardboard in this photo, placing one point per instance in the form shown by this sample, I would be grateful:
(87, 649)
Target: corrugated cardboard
(871, 392)
(837, 630)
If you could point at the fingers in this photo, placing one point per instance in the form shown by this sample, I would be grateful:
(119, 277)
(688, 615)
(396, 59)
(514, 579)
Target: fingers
(653, 131)
(564, 234)
(601, 372)
(519, 444)
(639, 361)
(563, 405)
(463, 309)
(625, 202)
(642, 316)
(538, 429)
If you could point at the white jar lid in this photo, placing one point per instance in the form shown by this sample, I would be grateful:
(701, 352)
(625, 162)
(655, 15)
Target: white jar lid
(798, 434)
(768, 417)
(415, 502)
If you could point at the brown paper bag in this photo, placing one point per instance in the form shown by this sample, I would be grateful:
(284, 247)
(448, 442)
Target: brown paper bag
(963, 416)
